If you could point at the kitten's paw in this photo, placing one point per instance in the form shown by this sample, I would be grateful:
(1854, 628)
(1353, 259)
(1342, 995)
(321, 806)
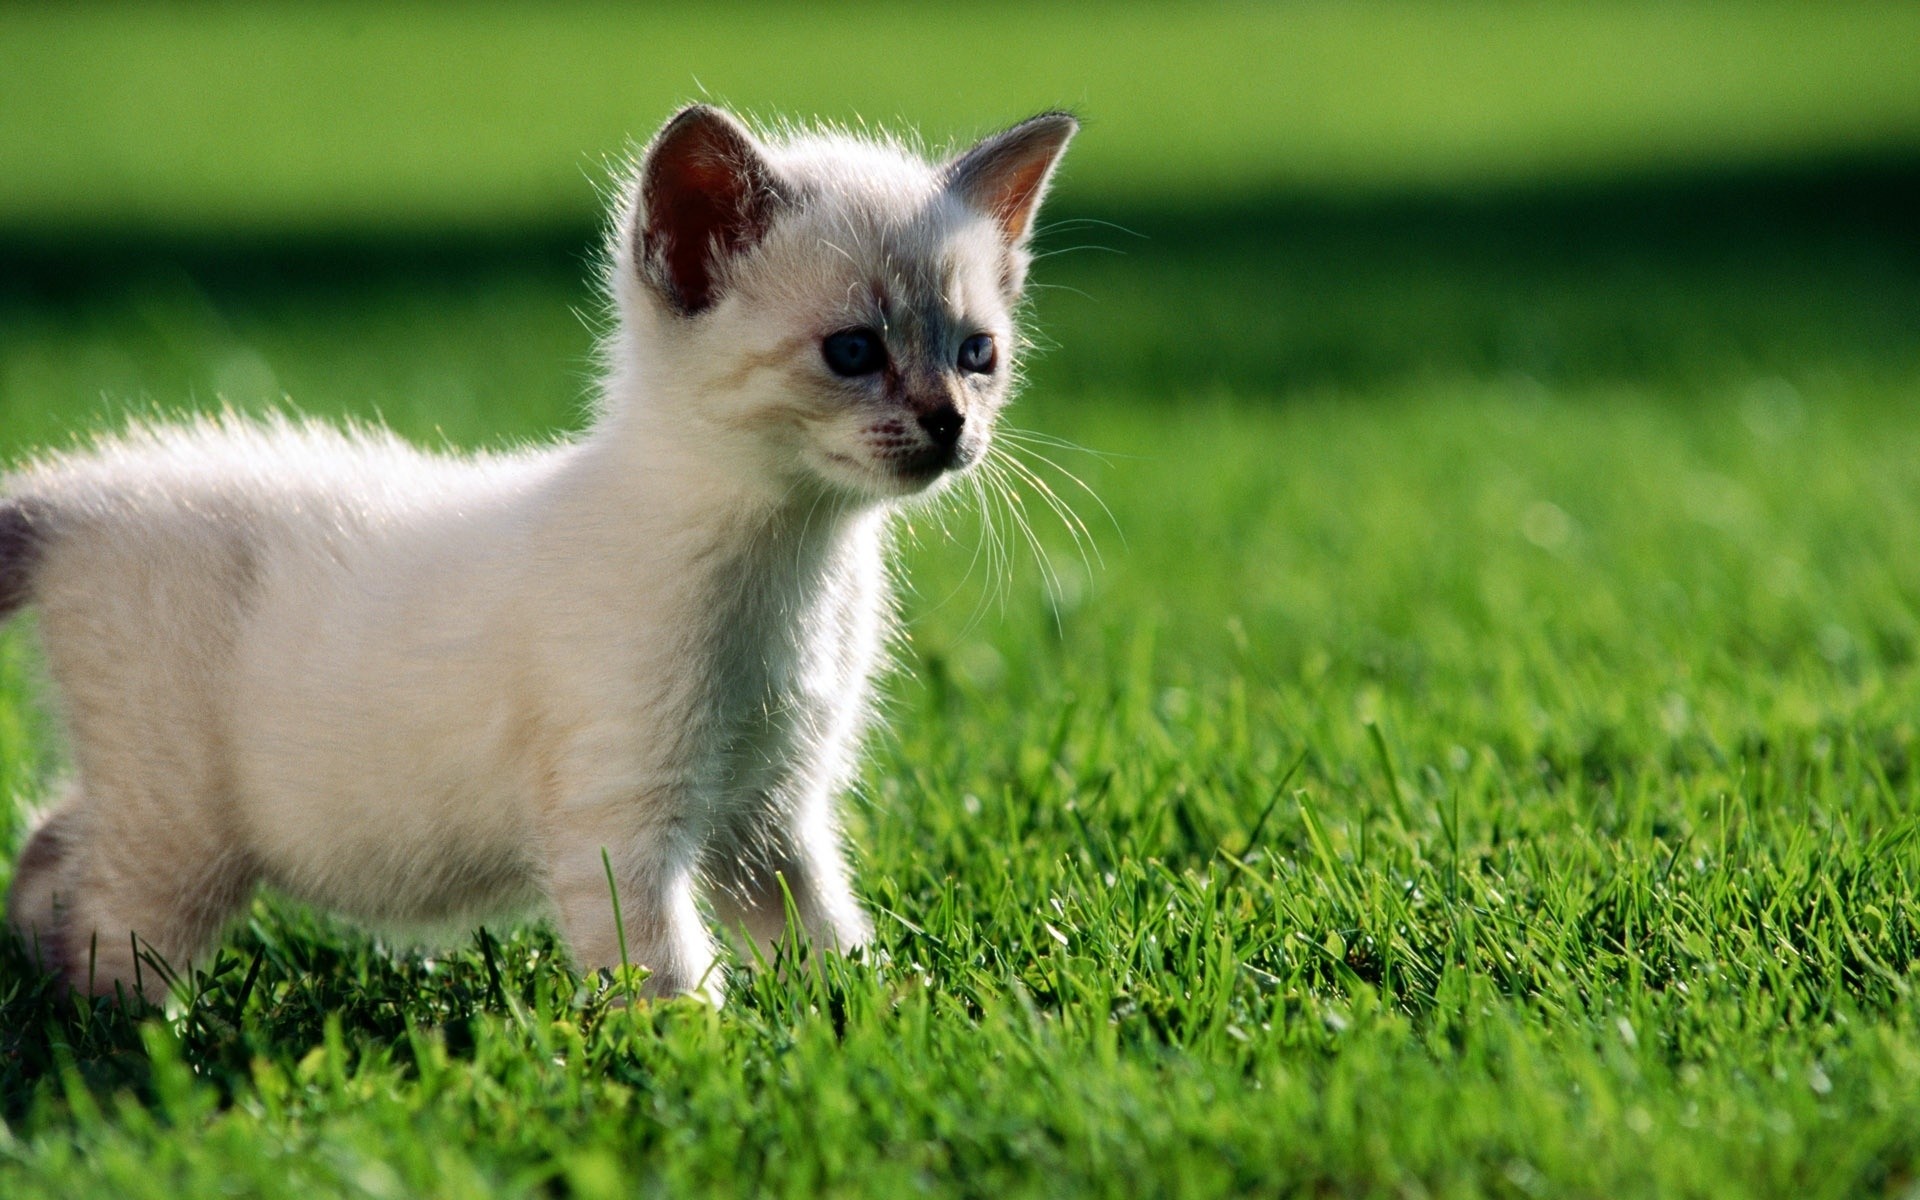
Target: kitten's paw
(621, 985)
(845, 932)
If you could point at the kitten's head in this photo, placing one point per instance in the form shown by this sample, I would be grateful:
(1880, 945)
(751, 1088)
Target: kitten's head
(835, 309)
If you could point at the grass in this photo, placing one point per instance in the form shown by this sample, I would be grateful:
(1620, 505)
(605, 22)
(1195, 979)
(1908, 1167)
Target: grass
(1476, 754)
(212, 119)
(1621, 901)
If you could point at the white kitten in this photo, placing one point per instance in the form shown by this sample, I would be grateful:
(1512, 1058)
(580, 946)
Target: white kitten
(424, 690)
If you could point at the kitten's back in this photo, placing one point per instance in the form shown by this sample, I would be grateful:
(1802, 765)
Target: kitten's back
(228, 486)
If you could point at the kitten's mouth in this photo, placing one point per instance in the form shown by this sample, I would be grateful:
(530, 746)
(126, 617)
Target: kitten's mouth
(929, 464)
(905, 472)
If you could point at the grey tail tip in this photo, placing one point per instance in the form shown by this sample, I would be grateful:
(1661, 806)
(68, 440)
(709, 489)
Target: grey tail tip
(20, 542)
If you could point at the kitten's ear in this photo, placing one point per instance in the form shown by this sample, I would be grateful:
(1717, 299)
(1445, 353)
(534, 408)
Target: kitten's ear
(706, 194)
(1006, 175)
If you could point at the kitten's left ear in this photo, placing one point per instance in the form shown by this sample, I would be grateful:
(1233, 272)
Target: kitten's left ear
(706, 195)
(1006, 175)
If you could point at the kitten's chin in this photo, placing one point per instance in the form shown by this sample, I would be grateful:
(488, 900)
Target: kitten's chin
(886, 478)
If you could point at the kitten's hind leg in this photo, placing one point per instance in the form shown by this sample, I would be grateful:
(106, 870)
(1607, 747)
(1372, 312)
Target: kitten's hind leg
(102, 896)
(34, 902)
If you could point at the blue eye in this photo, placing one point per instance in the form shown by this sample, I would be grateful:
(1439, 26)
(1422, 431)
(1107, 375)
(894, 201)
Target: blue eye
(853, 352)
(976, 354)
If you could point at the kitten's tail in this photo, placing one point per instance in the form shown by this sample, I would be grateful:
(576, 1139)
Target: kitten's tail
(21, 541)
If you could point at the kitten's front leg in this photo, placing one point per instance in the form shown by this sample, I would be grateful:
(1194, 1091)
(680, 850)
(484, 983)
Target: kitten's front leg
(653, 868)
(798, 858)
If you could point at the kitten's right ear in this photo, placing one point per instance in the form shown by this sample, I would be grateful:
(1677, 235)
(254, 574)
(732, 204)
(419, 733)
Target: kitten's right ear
(706, 195)
(1006, 175)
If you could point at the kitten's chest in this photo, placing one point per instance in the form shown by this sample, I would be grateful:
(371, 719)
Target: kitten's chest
(769, 714)
(789, 675)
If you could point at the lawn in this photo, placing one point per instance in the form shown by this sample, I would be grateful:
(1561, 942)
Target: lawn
(1462, 741)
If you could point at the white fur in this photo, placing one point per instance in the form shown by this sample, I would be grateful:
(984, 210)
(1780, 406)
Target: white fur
(426, 690)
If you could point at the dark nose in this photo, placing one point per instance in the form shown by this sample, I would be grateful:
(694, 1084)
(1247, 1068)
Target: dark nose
(943, 425)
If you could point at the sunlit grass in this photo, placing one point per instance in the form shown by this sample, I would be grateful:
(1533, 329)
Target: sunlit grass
(1464, 787)
(1462, 770)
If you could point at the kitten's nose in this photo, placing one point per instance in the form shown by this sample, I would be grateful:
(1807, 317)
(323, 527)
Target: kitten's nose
(943, 425)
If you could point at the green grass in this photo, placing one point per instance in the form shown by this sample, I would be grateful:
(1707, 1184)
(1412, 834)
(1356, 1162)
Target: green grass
(1478, 752)
(217, 118)
(1626, 907)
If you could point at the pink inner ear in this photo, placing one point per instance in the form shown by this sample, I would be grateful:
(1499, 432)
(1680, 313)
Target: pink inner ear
(1006, 175)
(1017, 198)
(699, 216)
(708, 196)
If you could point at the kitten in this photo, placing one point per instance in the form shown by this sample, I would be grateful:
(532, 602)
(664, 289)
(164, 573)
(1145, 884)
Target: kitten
(425, 691)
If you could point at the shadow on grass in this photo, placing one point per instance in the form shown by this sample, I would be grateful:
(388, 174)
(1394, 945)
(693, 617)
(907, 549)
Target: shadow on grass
(1686, 278)
(1678, 282)
(276, 983)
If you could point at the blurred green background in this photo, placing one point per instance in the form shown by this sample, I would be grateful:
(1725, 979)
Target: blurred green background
(352, 116)
(1268, 197)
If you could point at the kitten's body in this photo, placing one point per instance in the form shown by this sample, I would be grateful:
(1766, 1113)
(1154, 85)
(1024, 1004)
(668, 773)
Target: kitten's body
(425, 691)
